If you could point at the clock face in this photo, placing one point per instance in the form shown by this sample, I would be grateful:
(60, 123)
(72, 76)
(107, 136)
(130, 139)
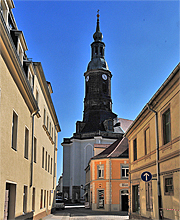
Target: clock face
(87, 78)
(104, 76)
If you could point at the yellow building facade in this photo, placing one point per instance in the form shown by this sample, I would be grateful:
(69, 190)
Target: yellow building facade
(28, 128)
(154, 146)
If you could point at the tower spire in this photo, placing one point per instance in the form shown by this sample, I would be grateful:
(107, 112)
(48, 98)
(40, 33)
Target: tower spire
(97, 26)
(98, 35)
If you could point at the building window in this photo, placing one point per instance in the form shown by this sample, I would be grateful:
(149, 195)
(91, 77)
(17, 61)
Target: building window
(41, 201)
(33, 199)
(166, 127)
(100, 171)
(14, 131)
(52, 133)
(101, 50)
(55, 135)
(135, 149)
(25, 199)
(44, 121)
(168, 186)
(146, 141)
(43, 157)
(30, 78)
(49, 197)
(44, 198)
(35, 149)
(110, 125)
(149, 200)
(124, 171)
(46, 161)
(47, 122)
(54, 169)
(51, 165)
(26, 145)
(50, 128)
(37, 96)
(96, 50)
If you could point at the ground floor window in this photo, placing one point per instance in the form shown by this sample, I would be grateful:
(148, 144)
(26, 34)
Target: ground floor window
(100, 199)
(168, 185)
(44, 198)
(149, 201)
(41, 201)
(33, 199)
(25, 199)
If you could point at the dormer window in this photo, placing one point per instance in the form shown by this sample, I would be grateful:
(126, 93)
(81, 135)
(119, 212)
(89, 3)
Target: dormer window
(110, 125)
(5, 11)
(37, 96)
(30, 78)
(10, 24)
(20, 53)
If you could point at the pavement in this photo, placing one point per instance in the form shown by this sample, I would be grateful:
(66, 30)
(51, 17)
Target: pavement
(95, 217)
(79, 212)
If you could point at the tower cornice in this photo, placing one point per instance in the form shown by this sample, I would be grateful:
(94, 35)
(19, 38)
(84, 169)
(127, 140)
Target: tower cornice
(88, 72)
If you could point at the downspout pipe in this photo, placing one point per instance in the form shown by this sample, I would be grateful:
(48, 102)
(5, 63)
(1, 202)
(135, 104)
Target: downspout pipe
(110, 184)
(32, 147)
(130, 194)
(160, 210)
(55, 142)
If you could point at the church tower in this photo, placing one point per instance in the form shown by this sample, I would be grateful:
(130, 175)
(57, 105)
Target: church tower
(97, 101)
(99, 126)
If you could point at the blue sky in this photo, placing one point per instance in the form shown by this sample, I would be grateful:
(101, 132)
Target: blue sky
(142, 49)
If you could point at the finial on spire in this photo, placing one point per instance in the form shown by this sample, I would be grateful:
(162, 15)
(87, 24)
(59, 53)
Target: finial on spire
(98, 13)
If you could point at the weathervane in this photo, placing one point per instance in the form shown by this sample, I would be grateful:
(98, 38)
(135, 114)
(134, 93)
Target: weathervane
(98, 13)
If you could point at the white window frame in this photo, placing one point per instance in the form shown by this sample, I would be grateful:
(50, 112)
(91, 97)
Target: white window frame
(126, 171)
(100, 169)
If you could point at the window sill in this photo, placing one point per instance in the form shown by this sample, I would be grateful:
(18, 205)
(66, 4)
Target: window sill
(168, 194)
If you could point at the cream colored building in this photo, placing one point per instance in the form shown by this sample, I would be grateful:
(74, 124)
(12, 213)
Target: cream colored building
(154, 146)
(28, 128)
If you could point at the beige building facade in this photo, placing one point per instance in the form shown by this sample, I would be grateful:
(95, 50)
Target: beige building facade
(28, 128)
(154, 146)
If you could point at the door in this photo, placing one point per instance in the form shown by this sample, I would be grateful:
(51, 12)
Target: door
(10, 201)
(135, 198)
(124, 202)
(6, 204)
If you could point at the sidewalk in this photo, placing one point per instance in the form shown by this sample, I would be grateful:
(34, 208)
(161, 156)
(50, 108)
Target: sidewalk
(78, 212)
(94, 217)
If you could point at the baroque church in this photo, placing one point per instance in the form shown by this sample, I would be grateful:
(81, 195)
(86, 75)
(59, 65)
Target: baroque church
(99, 127)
